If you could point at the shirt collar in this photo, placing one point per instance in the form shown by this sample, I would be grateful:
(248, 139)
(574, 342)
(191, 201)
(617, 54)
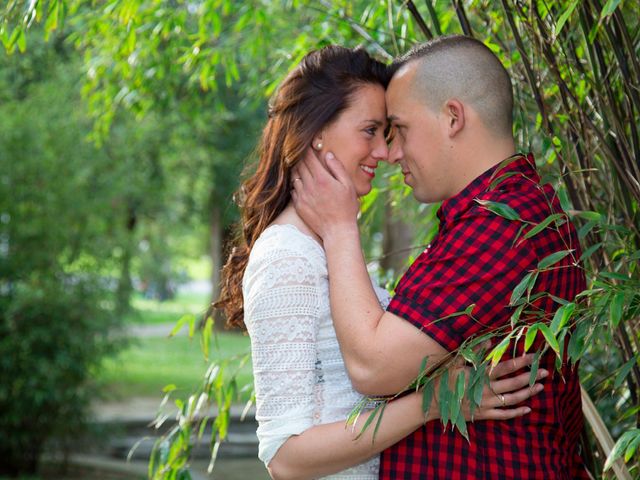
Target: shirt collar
(455, 206)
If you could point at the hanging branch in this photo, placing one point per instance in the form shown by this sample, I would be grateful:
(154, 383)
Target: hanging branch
(462, 18)
(419, 20)
(434, 17)
(360, 30)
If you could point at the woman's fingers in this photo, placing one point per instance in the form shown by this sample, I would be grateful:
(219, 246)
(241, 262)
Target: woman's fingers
(302, 171)
(337, 169)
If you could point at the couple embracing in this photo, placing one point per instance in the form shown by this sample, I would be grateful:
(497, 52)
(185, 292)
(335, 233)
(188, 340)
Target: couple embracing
(323, 335)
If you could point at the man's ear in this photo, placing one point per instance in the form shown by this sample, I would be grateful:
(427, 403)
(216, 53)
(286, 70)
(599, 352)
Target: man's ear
(454, 113)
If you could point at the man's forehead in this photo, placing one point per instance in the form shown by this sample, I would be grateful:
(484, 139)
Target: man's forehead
(401, 81)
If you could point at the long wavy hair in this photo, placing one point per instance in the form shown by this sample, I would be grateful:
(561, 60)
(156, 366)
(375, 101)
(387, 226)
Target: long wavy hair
(311, 96)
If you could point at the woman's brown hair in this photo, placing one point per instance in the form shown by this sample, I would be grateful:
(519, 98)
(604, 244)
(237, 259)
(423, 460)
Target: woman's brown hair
(309, 98)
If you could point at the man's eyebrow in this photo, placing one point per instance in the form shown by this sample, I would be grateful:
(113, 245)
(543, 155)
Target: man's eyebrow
(392, 118)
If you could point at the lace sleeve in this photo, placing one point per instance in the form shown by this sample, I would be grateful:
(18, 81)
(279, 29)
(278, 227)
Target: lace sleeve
(281, 298)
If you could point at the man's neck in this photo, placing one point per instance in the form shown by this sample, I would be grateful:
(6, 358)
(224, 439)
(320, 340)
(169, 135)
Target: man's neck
(478, 157)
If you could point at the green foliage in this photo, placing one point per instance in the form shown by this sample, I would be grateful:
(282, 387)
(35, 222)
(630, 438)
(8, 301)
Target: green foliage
(576, 74)
(56, 298)
(53, 334)
(210, 404)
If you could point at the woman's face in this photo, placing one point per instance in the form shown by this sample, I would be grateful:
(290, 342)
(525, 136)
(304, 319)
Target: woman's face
(357, 136)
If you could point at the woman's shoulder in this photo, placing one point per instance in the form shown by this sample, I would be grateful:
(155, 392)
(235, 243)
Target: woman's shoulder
(286, 240)
(283, 255)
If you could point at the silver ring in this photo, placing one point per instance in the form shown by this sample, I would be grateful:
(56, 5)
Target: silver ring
(501, 397)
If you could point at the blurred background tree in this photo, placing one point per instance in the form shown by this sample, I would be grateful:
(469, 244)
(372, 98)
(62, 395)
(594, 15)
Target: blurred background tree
(176, 92)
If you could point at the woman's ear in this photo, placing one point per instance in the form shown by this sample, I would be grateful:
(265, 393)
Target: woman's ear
(316, 143)
(454, 111)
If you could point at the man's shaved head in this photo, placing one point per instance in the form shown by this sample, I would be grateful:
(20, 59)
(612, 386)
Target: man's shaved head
(465, 69)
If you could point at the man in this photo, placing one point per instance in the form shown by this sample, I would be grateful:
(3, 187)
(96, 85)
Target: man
(450, 108)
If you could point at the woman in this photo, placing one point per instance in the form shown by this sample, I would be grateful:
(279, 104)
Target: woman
(276, 280)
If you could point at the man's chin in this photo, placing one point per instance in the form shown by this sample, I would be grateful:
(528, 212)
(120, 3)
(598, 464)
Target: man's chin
(421, 197)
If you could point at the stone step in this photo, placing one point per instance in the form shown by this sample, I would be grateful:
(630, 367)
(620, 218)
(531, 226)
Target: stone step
(131, 425)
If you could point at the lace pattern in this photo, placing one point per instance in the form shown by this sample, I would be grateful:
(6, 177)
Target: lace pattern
(300, 377)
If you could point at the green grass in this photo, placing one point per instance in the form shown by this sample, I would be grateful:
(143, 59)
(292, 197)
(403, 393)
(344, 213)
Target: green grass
(149, 364)
(146, 365)
(148, 312)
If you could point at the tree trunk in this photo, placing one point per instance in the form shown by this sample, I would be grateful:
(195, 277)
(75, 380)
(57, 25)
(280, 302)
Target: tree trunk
(215, 246)
(125, 285)
(398, 238)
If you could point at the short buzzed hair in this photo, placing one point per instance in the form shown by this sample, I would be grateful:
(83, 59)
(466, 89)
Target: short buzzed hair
(462, 67)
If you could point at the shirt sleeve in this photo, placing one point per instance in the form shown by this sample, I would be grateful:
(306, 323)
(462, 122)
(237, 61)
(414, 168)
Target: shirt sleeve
(281, 301)
(475, 262)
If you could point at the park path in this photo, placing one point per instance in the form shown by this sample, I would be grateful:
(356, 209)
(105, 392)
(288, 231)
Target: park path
(132, 417)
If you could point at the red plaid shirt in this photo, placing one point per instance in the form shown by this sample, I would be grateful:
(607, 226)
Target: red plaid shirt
(474, 260)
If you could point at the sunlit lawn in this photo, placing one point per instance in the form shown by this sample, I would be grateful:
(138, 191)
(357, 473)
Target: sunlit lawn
(146, 311)
(146, 365)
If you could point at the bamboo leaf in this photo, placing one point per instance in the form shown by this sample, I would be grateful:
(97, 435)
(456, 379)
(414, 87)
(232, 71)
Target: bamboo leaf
(590, 251)
(423, 366)
(496, 181)
(520, 288)
(52, 17)
(624, 371)
(577, 342)
(500, 209)
(477, 389)
(375, 430)
(534, 368)
(588, 215)
(620, 446)
(532, 332)
(631, 449)
(544, 224)
(562, 316)
(553, 258)
(565, 16)
(458, 396)
(206, 337)
(461, 425)
(22, 41)
(444, 398)
(614, 276)
(586, 228)
(616, 308)
(427, 396)
(169, 388)
(609, 8)
(550, 337)
(498, 351)
(180, 323)
(532, 283)
(369, 419)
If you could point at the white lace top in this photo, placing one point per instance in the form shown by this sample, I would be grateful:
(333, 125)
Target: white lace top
(299, 374)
